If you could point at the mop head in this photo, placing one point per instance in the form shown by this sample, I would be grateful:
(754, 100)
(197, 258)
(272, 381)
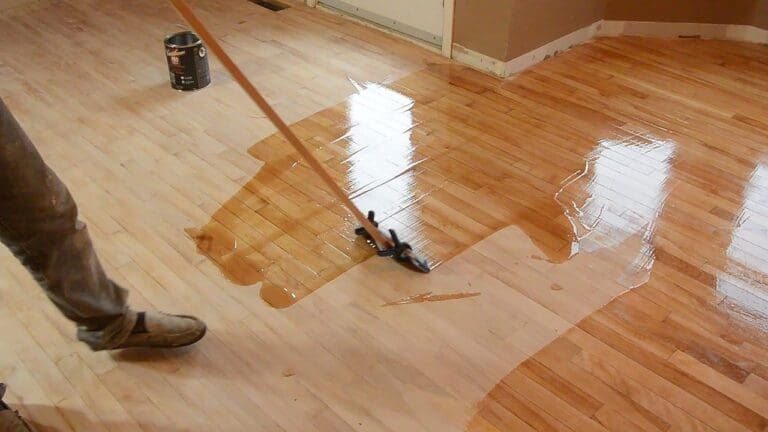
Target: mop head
(402, 252)
(409, 258)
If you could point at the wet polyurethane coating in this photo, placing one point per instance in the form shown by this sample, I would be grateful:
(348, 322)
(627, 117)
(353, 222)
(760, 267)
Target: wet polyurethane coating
(441, 186)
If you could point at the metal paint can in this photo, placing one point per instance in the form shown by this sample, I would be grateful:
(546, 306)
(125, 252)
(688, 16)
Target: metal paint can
(187, 61)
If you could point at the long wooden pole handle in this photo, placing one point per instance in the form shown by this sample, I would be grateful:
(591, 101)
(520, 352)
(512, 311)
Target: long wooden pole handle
(245, 83)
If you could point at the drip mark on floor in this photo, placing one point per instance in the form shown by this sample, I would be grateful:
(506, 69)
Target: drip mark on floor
(429, 297)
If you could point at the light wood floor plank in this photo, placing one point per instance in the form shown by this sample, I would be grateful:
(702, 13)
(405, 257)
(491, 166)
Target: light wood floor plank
(604, 211)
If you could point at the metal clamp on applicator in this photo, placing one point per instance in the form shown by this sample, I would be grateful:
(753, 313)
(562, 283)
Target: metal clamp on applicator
(400, 251)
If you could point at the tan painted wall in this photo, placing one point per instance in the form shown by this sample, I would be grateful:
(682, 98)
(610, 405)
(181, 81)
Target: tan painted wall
(761, 15)
(483, 26)
(692, 11)
(506, 29)
(749, 12)
(537, 22)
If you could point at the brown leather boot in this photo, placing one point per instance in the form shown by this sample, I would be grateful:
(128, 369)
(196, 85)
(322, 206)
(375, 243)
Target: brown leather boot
(10, 420)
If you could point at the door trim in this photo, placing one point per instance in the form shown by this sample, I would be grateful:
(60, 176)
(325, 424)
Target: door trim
(449, 7)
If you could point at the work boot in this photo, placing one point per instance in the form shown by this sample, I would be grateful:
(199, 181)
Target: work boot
(161, 330)
(10, 420)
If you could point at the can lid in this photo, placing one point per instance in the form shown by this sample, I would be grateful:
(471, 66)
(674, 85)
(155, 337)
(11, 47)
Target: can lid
(183, 39)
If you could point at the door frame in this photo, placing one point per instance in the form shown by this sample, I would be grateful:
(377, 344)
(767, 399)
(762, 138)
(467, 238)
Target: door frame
(449, 7)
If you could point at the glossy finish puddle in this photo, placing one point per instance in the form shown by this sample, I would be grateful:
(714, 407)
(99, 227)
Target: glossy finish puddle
(618, 198)
(284, 229)
(744, 279)
(440, 185)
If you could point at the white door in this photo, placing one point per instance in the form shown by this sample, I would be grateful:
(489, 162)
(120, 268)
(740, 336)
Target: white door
(422, 19)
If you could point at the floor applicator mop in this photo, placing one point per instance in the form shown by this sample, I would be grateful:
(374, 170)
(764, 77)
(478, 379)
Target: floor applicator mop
(388, 247)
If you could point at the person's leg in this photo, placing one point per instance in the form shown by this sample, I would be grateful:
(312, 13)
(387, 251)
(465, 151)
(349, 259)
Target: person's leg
(38, 223)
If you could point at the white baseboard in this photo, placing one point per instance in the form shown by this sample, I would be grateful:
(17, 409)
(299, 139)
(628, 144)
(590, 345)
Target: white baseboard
(605, 28)
(742, 33)
(747, 34)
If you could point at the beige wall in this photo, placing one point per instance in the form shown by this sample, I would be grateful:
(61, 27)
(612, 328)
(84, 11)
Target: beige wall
(749, 12)
(506, 29)
(534, 23)
(761, 14)
(483, 26)
(692, 11)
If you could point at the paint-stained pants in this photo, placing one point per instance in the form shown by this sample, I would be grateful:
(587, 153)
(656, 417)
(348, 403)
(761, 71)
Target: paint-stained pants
(38, 223)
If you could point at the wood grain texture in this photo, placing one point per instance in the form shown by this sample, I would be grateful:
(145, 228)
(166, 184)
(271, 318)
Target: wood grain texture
(623, 163)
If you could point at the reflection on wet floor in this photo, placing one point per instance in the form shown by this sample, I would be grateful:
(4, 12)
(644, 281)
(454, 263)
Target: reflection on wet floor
(619, 195)
(440, 174)
(682, 195)
(742, 278)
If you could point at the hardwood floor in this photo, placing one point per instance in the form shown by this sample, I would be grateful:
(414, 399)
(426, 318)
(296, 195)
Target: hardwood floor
(599, 225)
(685, 349)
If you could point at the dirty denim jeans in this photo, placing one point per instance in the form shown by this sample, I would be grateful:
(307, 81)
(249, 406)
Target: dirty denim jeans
(38, 223)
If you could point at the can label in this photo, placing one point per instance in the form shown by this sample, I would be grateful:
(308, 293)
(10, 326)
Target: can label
(188, 67)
